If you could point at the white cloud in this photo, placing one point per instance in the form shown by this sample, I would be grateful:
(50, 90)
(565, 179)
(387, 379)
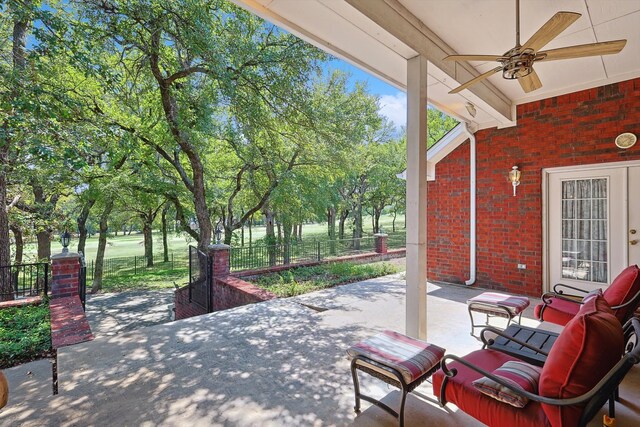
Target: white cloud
(394, 107)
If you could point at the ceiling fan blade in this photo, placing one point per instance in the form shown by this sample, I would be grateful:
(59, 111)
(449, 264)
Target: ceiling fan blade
(530, 82)
(473, 58)
(550, 30)
(476, 80)
(584, 50)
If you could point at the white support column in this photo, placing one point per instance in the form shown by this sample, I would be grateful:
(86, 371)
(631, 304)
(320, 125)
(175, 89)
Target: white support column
(416, 212)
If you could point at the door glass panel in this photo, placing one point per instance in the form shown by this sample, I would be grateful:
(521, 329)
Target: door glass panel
(584, 230)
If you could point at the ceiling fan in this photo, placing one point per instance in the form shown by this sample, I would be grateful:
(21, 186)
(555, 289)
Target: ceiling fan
(517, 63)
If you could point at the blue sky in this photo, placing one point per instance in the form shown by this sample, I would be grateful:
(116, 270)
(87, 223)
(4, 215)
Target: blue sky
(393, 101)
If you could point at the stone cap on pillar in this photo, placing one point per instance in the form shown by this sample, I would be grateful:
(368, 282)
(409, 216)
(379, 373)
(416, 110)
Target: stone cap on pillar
(380, 235)
(214, 248)
(65, 256)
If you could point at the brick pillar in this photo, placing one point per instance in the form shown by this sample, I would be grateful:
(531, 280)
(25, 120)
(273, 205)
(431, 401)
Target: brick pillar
(65, 273)
(381, 243)
(219, 260)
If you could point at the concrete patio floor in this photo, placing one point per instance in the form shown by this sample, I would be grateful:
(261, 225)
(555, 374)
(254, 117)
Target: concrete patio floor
(278, 363)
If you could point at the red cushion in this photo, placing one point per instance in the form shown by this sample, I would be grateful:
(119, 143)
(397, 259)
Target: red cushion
(588, 347)
(464, 395)
(559, 311)
(623, 288)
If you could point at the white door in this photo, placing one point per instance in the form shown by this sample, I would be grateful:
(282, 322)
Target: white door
(593, 224)
(633, 232)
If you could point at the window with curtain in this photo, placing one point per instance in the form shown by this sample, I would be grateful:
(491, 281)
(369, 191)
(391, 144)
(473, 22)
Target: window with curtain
(584, 230)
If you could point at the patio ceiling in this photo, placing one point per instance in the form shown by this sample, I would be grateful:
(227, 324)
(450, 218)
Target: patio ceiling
(380, 35)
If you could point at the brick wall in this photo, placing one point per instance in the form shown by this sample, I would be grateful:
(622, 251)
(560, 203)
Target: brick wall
(183, 308)
(230, 292)
(573, 129)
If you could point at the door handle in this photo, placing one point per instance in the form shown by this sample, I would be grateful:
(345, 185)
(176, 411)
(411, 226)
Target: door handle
(633, 242)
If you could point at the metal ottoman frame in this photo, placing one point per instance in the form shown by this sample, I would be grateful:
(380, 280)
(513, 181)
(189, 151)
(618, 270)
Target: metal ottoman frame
(394, 378)
(496, 310)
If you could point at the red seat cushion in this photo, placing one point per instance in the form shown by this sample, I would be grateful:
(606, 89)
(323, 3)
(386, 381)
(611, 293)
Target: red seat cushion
(588, 347)
(461, 392)
(623, 288)
(559, 311)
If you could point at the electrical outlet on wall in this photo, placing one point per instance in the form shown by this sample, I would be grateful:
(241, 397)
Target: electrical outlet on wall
(522, 266)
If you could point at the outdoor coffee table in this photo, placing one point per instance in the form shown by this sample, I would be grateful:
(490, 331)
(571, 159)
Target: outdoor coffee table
(529, 344)
(395, 359)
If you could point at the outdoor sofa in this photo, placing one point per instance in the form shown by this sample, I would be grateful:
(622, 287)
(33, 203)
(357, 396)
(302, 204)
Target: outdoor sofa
(582, 371)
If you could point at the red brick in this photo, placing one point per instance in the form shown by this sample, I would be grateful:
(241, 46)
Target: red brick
(571, 129)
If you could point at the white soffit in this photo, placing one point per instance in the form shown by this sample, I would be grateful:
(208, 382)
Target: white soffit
(464, 27)
(488, 27)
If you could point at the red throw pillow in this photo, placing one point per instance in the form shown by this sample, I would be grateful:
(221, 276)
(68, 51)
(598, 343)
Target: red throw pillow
(623, 288)
(588, 347)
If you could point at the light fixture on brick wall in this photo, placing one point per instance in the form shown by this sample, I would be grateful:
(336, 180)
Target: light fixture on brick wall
(471, 109)
(514, 177)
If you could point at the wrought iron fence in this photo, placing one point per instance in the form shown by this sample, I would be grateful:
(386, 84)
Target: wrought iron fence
(135, 265)
(23, 280)
(397, 240)
(261, 256)
(200, 278)
(82, 282)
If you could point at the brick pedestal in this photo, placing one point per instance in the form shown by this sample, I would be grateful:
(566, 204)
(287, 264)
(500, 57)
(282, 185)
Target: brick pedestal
(65, 274)
(220, 265)
(381, 243)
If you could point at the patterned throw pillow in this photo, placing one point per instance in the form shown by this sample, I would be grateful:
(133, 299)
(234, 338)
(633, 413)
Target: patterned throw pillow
(592, 294)
(519, 374)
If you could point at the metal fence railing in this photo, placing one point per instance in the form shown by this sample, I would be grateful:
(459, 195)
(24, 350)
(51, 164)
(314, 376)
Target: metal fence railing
(82, 282)
(397, 240)
(261, 256)
(23, 280)
(200, 278)
(134, 265)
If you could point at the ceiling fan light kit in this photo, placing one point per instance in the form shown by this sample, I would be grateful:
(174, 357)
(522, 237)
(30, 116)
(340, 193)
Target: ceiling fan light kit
(517, 63)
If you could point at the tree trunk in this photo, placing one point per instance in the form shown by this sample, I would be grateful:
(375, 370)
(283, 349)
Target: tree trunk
(82, 224)
(300, 232)
(357, 230)
(44, 245)
(130, 230)
(20, 32)
(331, 232)
(270, 238)
(286, 241)
(147, 221)
(165, 244)
(343, 217)
(17, 236)
(393, 222)
(250, 232)
(102, 245)
(279, 226)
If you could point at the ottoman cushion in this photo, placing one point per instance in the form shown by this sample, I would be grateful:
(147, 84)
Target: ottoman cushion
(411, 357)
(488, 301)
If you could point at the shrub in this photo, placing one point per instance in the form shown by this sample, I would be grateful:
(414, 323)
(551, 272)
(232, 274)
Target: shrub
(25, 334)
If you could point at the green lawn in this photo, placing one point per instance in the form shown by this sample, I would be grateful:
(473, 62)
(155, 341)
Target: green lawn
(308, 279)
(25, 334)
(129, 246)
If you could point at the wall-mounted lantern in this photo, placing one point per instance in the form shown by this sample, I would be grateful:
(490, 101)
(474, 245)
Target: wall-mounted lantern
(514, 177)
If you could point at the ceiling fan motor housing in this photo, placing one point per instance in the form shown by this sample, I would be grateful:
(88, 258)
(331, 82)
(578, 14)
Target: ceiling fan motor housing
(518, 64)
